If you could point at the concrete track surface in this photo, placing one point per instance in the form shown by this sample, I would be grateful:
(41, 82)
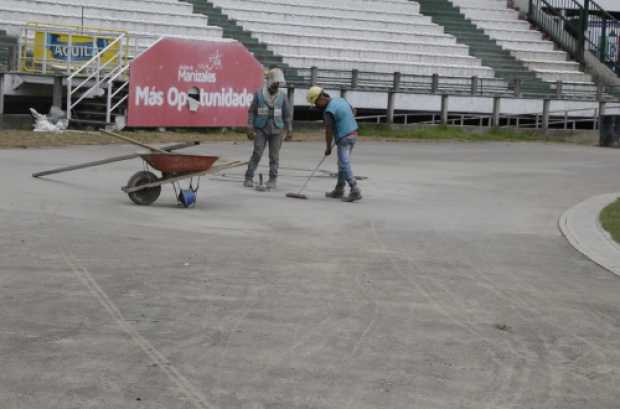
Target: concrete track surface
(448, 286)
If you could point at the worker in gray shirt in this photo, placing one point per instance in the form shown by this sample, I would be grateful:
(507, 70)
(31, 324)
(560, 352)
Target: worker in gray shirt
(269, 119)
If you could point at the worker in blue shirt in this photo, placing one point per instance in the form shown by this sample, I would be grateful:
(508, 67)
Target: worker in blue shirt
(340, 126)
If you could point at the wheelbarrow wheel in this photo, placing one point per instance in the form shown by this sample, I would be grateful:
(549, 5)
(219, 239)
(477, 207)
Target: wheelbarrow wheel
(146, 196)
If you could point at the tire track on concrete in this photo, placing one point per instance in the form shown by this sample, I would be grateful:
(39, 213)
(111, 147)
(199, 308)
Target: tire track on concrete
(514, 386)
(445, 310)
(440, 307)
(541, 356)
(515, 350)
(325, 327)
(325, 324)
(185, 387)
(368, 328)
(553, 377)
(245, 310)
(511, 371)
(600, 349)
(375, 315)
(195, 397)
(366, 293)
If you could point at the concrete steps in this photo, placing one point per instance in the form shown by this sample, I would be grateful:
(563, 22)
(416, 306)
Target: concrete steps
(368, 35)
(504, 25)
(234, 31)
(69, 13)
(481, 46)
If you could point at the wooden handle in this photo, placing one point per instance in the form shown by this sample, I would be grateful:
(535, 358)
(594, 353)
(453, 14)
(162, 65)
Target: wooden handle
(133, 141)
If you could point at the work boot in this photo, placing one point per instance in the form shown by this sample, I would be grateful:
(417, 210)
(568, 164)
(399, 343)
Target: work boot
(249, 182)
(337, 193)
(354, 195)
(271, 183)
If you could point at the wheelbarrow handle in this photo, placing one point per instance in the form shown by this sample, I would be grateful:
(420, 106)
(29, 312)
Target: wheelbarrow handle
(133, 141)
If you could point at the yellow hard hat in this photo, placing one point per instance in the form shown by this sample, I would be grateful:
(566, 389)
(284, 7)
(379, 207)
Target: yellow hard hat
(313, 94)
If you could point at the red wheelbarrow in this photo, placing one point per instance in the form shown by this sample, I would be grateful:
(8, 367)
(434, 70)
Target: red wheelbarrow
(144, 187)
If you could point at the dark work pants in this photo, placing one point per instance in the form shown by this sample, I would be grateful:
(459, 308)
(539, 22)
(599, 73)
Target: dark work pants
(263, 137)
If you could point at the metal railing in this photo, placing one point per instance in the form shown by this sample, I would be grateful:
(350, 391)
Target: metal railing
(603, 36)
(407, 83)
(555, 19)
(62, 49)
(561, 119)
(119, 84)
(115, 89)
(355, 80)
(580, 29)
(93, 76)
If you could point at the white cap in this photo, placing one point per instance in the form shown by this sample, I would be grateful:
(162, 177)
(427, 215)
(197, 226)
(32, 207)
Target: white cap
(275, 75)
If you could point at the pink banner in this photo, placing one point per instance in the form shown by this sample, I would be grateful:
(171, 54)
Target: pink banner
(192, 83)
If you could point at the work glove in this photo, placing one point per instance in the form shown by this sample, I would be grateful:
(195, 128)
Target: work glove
(289, 136)
(251, 134)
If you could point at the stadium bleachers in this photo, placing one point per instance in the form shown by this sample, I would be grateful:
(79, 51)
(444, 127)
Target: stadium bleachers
(526, 44)
(231, 29)
(505, 65)
(373, 36)
(368, 35)
(145, 20)
(456, 39)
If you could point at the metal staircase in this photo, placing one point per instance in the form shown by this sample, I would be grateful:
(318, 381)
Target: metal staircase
(89, 68)
(97, 90)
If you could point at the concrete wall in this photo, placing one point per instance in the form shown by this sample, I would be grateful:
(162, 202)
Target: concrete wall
(600, 71)
(522, 5)
(16, 122)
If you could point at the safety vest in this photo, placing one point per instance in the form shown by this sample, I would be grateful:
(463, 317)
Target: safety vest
(344, 121)
(265, 112)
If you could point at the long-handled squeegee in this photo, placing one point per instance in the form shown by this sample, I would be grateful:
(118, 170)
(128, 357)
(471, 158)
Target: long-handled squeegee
(300, 195)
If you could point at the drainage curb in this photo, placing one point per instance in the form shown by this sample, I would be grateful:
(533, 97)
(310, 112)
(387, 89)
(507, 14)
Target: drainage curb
(582, 228)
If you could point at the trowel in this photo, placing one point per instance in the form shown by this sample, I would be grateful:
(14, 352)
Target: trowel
(261, 186)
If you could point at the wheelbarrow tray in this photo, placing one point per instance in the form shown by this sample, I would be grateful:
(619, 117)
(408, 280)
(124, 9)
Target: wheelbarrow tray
(178, 163)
